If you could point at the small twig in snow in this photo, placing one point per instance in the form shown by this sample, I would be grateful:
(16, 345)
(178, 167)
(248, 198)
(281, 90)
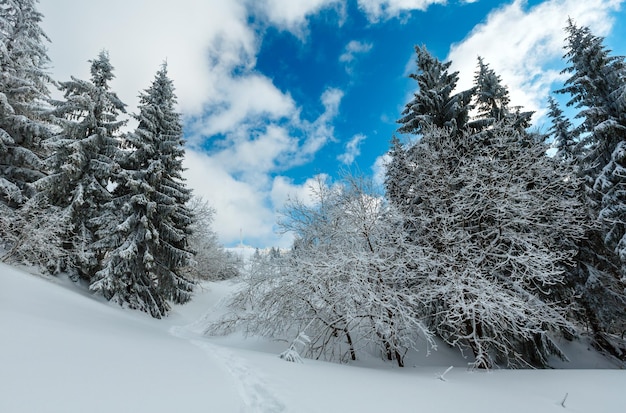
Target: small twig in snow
(563, 402)
(444, 373)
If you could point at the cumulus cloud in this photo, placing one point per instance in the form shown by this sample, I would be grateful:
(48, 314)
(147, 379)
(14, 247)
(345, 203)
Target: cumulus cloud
(519, 44)
(353, 149)
(244, 99)
(240, 175)
(140, 37)
(240, 206)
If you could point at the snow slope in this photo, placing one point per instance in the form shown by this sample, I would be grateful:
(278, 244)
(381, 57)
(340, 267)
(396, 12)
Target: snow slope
(62, 350)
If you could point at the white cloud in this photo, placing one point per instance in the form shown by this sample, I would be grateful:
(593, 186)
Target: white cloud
(284, 189)
(353, 149)
(139, 36)
(239, 205)
(354, 48)
(377, 10)
(240, 176)
(320, 131)
(379, 169)
(519, 43)
(243, 99)
(292, 15)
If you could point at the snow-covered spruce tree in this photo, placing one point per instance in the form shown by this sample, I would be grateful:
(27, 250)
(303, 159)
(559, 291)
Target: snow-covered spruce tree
(147, 247)
(346, 282)
(502, 220)
(23, 96)
(597, 86)
(23, 93)
(492, 100)
(83, 162)
(434, 103)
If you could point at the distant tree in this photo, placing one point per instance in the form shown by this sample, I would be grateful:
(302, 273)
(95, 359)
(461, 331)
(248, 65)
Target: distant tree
(83, 162)
(435, 103)
(212, 261)
(565, 137)
(502, 220)
(148, 247)
(397, 170)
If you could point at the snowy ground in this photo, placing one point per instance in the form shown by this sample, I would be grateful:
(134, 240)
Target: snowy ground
(64, 351)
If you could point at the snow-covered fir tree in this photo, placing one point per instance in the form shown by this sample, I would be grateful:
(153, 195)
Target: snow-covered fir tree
(31, 230)
(147, 247)
(84, 162)
(597, 88)
(23, 93)
(492, 100)
(435, 103)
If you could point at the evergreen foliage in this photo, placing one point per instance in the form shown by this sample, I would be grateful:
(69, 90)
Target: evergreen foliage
(565, 137)
(596, 86)
(434, 103)
(23, 95)
(147, 248)
(84, 163)
(492, 100)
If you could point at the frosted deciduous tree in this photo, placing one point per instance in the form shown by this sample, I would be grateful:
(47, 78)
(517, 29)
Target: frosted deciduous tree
(502, 220)
(147, 247)
(346, 282)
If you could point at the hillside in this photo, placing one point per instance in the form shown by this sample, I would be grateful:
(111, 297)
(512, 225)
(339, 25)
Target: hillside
(65, 351)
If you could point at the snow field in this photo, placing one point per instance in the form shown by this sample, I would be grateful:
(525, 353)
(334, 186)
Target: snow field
(65, 351)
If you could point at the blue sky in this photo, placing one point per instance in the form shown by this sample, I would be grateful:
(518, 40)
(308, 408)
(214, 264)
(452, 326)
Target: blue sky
(275, 93)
